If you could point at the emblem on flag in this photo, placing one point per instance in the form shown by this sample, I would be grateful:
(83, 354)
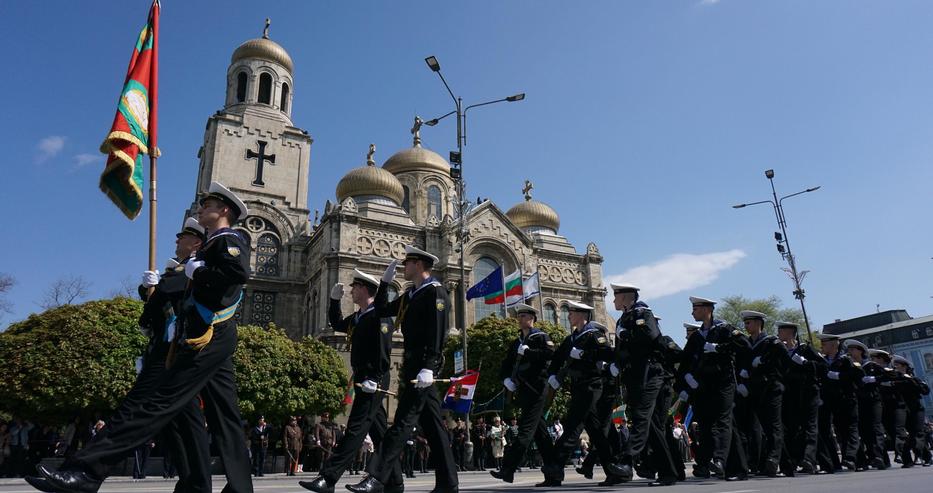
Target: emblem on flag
(459, 397)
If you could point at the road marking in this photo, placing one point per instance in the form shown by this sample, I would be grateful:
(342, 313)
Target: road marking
(739, 491)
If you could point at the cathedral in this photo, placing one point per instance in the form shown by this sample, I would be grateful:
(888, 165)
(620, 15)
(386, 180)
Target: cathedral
(253, 147)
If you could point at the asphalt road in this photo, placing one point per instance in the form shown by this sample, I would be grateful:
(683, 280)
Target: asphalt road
(896, 480)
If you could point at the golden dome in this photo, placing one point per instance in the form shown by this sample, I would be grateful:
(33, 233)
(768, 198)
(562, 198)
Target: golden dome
(370, 180)
(416, 158)
(263, 49)
(532, 213)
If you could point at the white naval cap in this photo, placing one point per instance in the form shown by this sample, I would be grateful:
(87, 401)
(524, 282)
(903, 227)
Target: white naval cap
(623, 287)
(691, 326)
(902, 360)
(697, 300)
(362, 277)
(750, 314)
(520, 308)
(856, 343)
(827, 337)
(222, 193)
(787, 325)
(171, 264)
(880, 353)
(192, 226)
(419, 254)
(579, 307)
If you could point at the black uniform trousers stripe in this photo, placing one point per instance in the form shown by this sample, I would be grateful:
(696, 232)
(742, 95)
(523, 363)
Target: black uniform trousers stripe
(367, 415)
(421, 407)
(531, 426)
(192, 373)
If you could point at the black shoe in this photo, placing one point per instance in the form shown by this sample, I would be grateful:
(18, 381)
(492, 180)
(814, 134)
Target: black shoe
(848, 464)
(700, 471)
(807, 467)
(645, 472)
(737, 477)
(586, 473)
(507, 476)
(548, 483)
(770, 469)
(445, 489)
(663, 481)
(621, 471)
(40, 484)
(69, 481)
(318, 484)
(878, 463)
(368, 485)
(718, 469)
(394, 488)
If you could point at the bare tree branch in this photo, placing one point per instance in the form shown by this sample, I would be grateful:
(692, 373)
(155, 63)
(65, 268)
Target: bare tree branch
(65, 291)
(127, 289)
(6, 285)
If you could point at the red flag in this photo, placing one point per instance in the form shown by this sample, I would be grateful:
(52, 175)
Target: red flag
(133, 132)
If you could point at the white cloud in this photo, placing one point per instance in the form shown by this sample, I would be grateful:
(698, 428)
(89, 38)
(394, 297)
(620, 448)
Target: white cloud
(49, 147)
(82, 160)
(677, 273)
(708, 2)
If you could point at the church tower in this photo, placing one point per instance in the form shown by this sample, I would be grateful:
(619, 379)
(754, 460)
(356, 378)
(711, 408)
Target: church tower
(253, 148)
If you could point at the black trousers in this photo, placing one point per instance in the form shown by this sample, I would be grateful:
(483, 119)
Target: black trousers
(208, 372)
(531, 426)
(420, 407)
(894, 418)
(838, 429)
(916, 436)
(649, 400)
(871, 430)
(603, 413)
(800, 413)
(366, 416)
(767, 406)
(712, 408)
(584, 395)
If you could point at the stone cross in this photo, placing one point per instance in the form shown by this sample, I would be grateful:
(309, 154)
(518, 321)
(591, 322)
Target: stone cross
(261, 157)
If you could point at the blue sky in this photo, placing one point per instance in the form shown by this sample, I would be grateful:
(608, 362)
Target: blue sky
(644, 122)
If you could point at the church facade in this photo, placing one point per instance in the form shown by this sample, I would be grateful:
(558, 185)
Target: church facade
(253, 147)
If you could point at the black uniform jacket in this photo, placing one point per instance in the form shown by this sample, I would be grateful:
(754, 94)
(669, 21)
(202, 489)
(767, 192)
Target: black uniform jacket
(422, 316)
(164, 303)
(597, 352)
(370, 342)
(219, 283)
(850, 377)
(770, 353)
(529, 368)
(807, 375)
(716, 366)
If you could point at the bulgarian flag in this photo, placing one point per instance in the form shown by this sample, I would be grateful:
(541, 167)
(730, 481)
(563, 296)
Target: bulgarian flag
(490, 289)
(513, 289)
(133, 132)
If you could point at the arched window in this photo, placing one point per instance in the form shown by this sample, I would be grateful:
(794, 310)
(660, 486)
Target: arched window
(262, 310)
(267, 255)
(284, 104)
(265, 88)
(241, 80)
(406, 199)
(434, 202)
(483, 267)
(565, 317)
(550, 313)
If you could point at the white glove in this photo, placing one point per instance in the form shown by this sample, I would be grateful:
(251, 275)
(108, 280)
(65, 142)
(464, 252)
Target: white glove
(692, 382)
(709, 347)
(424, 379)
(191, 266)
(868, 379)
(522, 348)
(509, 384)
(684, 396)
(756, 361)
(151, 278)
(552, 381)
(369, 386)
(390, 272)
(614, 370)
(743, 373)
(336, 292)
(576, 353)
(798, 359)
(832, 375)
(742, 389)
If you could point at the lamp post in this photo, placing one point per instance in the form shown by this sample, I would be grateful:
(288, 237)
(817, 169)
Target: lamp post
(783, 243)
(456, 174)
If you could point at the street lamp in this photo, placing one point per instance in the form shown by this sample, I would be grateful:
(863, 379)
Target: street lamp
(456, 174)
(783, 244)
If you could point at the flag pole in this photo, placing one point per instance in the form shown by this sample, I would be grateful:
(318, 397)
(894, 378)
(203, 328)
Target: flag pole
(153, 134)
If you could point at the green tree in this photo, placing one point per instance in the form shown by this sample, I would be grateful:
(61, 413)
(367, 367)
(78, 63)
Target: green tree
(74, 359)
(730, 307)
(489, 339)
(278, 377)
